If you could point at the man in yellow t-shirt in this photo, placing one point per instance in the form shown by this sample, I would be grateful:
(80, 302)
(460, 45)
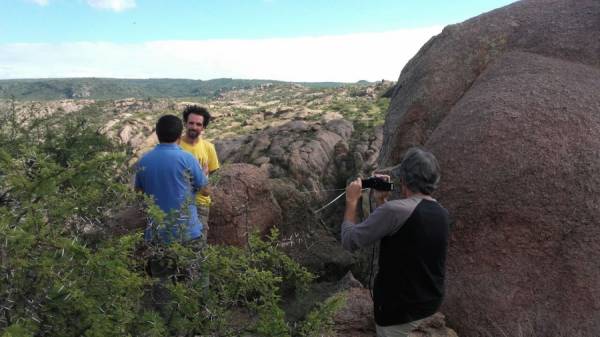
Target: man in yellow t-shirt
(196, 120)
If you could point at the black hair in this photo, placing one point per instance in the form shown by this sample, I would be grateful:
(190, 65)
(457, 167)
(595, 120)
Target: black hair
(198, 110)
(168, 128)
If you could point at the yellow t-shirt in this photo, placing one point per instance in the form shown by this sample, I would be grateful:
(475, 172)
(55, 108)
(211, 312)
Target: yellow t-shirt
(205, 152)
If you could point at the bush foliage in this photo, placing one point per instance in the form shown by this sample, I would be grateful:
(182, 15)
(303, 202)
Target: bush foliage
(59, 177)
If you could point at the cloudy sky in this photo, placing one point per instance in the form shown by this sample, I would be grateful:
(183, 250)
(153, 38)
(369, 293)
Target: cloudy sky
(290, 40)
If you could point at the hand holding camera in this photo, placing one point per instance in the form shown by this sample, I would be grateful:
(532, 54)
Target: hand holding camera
(378, 182)
(381, 186)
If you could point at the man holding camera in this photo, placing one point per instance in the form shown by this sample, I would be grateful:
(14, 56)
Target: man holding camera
(413, 235)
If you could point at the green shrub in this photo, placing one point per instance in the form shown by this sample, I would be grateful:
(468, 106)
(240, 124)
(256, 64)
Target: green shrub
(319, 321)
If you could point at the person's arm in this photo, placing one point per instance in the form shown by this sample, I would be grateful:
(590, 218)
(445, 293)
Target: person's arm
(205, 169)
(352, 196)
(387, 218)
(213, 160)
(358, 235)
(200, 181)
(353, 192)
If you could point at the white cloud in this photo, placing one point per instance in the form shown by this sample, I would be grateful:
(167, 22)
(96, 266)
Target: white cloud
(115, 5)
(344, 58)
(40, 2)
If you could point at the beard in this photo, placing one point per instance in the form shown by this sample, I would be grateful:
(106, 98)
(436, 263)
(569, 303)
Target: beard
(193, 134)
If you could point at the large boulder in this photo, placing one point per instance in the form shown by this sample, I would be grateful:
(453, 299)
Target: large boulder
(508, 102)
(242, 203)
(355, 318)
(447, 65)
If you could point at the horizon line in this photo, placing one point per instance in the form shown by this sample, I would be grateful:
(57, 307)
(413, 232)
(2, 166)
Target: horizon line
(180, 79)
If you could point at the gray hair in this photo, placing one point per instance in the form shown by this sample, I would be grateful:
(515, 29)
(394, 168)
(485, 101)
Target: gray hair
(419, 171)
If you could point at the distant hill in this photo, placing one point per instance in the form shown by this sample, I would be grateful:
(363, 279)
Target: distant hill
(112, 88)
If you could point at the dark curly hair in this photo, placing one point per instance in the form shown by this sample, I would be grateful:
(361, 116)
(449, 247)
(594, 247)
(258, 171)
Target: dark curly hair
(198, 110)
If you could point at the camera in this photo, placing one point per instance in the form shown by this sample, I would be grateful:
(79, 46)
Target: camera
(377, 184)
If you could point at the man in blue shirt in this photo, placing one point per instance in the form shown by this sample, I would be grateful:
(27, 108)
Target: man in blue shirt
(171, 177)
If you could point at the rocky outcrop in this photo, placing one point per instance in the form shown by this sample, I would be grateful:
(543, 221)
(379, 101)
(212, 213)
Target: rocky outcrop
(315, 155)
(355, 318)
(446, 66)
(138, 134)
(300, 150)
(304, 235)
(34, 110)
(433, 326)
(508, 102)
(305, 161)
(242, 203)
(128, 105)
(527, 233)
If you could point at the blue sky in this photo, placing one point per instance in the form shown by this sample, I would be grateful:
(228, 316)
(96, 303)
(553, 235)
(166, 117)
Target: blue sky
(235, 38)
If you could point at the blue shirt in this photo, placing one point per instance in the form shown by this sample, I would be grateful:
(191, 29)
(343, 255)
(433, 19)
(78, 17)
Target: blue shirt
(172, 176)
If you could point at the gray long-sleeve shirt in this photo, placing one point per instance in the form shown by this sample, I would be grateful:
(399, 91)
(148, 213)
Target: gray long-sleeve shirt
(387, 219)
